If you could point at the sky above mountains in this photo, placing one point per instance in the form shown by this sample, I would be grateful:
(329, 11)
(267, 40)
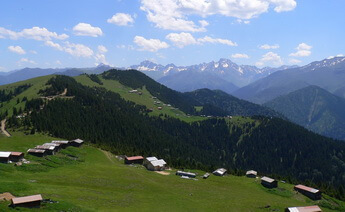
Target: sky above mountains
(125, 32)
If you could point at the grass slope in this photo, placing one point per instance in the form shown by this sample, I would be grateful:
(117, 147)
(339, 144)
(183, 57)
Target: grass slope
(144, 99)
(98, 181)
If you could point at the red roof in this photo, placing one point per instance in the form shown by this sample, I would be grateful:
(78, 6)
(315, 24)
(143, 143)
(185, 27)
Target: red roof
(306, 188)
(20, 200)
(16, 153)
(135, 158)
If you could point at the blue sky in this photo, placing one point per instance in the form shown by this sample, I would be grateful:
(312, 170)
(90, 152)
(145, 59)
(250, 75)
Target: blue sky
(41, 33)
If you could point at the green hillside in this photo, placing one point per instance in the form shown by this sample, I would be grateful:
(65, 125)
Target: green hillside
(98, 181)
(314, 108)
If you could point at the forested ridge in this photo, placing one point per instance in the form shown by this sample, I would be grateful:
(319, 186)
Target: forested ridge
(269, 145)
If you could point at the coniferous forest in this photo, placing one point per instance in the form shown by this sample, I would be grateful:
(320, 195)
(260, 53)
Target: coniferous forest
(271, 146)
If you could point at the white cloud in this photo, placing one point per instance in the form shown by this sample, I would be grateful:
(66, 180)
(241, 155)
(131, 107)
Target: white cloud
(151, 45)
(84, 29)
(35, 33)
(303, 50)
(294, 61)
(240, 21)
(33, 52)
(270, 57)
(208, 39)
(239, 56)
(338, 55)
(173, 14)
(102, 49)
(267, 46)
(182, 39)
(100, 56)
(58, 62)
(25, 60)
(16, 49)
(77, 50)
(121, 19)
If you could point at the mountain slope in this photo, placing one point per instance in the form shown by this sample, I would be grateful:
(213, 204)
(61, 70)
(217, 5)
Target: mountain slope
(328, 74)
(314, 108)
(185, 81)
(232, 105)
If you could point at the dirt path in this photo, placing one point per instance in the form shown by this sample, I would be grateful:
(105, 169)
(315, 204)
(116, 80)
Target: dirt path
(64, 92)
(109, 156)
(3, 128)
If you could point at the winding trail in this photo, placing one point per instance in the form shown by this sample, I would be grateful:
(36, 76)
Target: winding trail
(3, 128)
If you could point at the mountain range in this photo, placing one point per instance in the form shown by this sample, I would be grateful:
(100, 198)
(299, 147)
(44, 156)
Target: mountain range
(328, 74)
(313, 108)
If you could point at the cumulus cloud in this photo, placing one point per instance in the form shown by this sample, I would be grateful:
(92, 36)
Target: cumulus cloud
(294, 61)
(181, 39)
(270, 57)
(303, 50)
(16, 49)
(121, 19)
(151, 45)
(100, 56)
(35, 33)
(25, 60)
(77, 50)
(173, 14)
(239, 56)
(208, 39)
(184, 38)
(84, 29)
(267, 46)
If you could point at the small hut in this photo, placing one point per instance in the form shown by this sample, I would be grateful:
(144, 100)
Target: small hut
(134, 159)
(16, 156)
(269, 182)
(156, 165)
(5, 157)
(77, 142)
(312, 193)
(206, 175)
(251, 174)
(28, 201)
(313, 208)
(50, 150)
(186, 174)
(220, 172)
(37, 152)
(63, 144)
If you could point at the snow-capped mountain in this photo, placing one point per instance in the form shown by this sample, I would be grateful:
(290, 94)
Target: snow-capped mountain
(222, 71)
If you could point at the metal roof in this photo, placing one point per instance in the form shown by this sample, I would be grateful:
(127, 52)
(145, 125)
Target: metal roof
(135, 158)
(16, 153)
(313, 208)
(45, 147)
(79, 141)
(160, 163)
(220, 171)
(51, 144)
(60, 142)
(36, 150)
(33, 198)
(267, 179)
(251, 172)
(306, 188)
(151, 158)
(5, 154)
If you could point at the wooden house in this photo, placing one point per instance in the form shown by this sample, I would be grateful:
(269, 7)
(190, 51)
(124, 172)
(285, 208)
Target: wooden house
(28, 201)
(269, 182)
(313, 208)
(251, 174)
(63, 144)
(37, 152)
(156, 165)
(206, 175)
(134, 159)
(186, 174)
(5, 157)
(50, 150)
(76, 143)
(16, 156)
(312, 193)
(56, 145)
(220, 172)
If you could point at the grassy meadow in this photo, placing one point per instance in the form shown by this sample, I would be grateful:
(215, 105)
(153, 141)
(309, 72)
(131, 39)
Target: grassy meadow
(89, 179)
